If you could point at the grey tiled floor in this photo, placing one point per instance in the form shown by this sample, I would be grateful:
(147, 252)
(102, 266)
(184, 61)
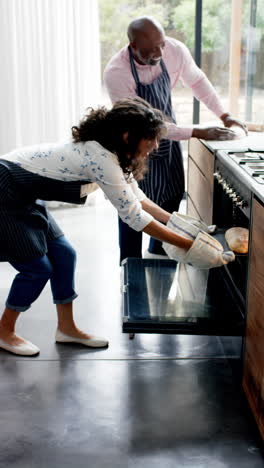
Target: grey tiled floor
(156, 401)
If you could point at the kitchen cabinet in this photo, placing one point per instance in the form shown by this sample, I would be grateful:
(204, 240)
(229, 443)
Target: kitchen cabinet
(253, 380)
(200, 181)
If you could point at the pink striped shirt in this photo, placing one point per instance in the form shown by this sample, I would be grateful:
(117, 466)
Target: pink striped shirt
(180, 65)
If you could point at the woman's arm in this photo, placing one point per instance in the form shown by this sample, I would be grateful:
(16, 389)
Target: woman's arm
(162, 233)
(155, 210)
(158, 230)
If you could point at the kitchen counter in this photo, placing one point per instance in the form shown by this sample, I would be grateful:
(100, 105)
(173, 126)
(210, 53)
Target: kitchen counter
(221, 192)
(253, 142)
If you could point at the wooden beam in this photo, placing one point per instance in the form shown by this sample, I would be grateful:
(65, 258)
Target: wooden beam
(234, 56)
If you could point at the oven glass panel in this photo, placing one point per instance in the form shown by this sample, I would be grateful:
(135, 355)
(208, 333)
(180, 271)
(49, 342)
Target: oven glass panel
(166, 296)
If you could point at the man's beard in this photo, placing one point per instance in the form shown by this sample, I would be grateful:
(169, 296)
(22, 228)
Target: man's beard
(153, 62)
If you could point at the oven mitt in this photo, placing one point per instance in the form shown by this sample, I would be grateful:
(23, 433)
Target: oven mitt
(181, 226)
(196, 222)
(206, 252)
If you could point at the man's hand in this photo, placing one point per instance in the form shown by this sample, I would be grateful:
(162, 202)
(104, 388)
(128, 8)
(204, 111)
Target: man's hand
(214, 133)
(229, 121)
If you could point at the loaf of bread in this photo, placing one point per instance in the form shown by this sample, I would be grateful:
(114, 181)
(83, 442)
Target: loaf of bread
(237, 239)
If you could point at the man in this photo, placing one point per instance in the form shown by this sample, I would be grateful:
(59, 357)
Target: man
(149, 67)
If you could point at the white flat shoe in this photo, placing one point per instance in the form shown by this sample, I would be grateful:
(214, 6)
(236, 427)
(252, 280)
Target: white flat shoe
(24, 349)
(94, 342)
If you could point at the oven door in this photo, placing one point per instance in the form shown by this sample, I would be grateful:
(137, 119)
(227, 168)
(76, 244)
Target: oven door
(163, 296)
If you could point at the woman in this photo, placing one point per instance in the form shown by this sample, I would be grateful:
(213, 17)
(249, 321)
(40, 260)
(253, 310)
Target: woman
(110, 148)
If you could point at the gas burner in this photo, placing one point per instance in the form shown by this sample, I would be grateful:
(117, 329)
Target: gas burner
(259, 178)
(248, 156)
(252, 162)
(253, 168)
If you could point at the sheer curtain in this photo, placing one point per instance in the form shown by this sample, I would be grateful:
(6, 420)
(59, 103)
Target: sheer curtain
(50, 57)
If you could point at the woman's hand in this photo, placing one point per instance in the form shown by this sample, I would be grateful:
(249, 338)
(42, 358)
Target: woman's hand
(165, 234)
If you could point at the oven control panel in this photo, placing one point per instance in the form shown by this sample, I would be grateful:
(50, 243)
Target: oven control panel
(233, 188)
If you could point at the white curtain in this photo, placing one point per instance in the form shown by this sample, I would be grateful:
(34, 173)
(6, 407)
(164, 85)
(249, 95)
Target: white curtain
(50, 68)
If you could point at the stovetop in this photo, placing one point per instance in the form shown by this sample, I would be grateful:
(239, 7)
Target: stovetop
(245, 152)
(250, 161)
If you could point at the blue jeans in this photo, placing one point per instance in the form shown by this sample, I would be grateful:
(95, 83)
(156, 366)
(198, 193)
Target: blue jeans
(58, 266)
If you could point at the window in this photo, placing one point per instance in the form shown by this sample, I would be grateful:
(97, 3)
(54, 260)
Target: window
(232, 37)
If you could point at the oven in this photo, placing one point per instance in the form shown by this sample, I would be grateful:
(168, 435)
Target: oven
(163, 296)
(232, 207)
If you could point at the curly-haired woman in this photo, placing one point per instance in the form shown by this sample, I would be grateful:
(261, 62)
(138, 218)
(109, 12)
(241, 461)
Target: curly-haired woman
(109, 147)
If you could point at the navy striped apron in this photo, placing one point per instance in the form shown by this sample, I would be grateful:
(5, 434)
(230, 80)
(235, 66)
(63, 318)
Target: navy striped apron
(164, 181)
(25, 225)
